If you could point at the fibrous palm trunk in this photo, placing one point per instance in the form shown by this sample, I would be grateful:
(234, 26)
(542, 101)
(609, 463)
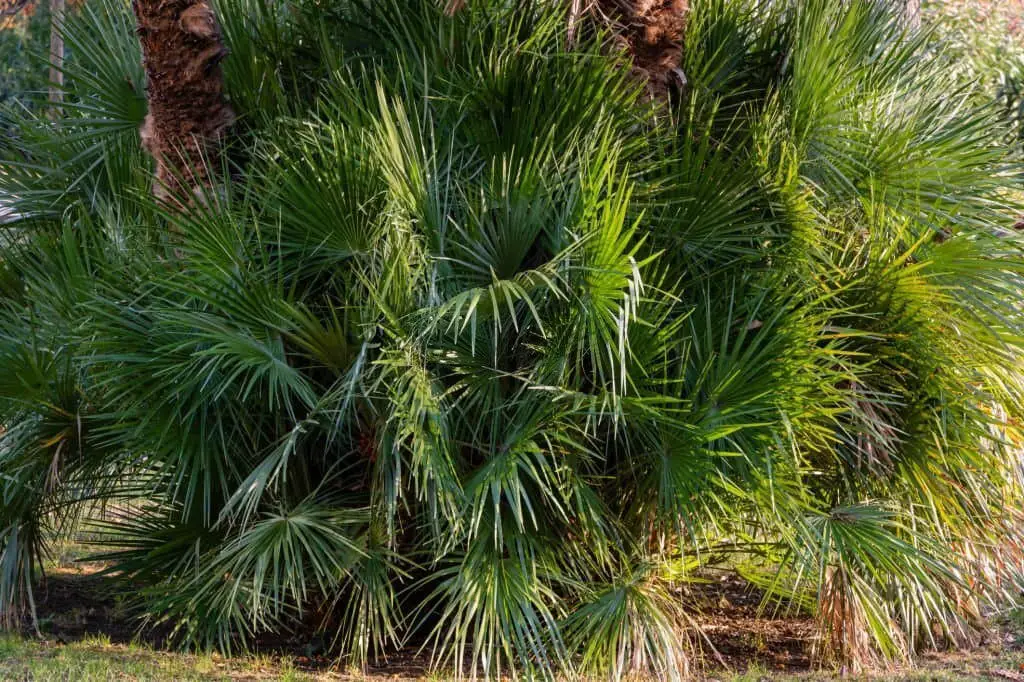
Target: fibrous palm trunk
(188, 112)
(651, 31)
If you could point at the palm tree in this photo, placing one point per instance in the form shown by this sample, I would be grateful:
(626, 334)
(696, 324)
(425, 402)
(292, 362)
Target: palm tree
(477, 347)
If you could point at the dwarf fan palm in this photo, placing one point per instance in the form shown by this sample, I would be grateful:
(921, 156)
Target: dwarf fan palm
(476, 347)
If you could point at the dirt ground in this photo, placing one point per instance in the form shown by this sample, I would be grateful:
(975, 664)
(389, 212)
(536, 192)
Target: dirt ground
(84, 618)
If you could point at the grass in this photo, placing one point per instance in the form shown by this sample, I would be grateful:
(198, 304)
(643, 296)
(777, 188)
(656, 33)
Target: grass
(97, 659)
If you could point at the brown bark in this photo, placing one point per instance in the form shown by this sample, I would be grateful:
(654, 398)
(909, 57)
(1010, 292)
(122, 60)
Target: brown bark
(651, 31)
(188, 112)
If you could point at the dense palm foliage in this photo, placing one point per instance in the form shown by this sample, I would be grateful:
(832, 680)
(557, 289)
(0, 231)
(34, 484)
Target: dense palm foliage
(476, 348)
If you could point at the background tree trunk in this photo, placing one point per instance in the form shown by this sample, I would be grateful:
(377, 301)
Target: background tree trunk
(908, 10)
(56, 95)
(912, 13)
(188, 113)
(652, 33)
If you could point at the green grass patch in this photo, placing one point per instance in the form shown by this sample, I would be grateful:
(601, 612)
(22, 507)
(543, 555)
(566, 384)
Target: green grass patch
(96, 659)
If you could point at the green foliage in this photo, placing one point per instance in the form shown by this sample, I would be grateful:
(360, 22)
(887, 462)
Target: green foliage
(474, 348)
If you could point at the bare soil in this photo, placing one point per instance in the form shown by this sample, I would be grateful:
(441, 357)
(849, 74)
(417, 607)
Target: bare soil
(740, 639)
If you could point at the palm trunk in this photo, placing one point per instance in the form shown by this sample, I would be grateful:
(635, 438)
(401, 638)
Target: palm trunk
(651, 31)
(188, 113)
